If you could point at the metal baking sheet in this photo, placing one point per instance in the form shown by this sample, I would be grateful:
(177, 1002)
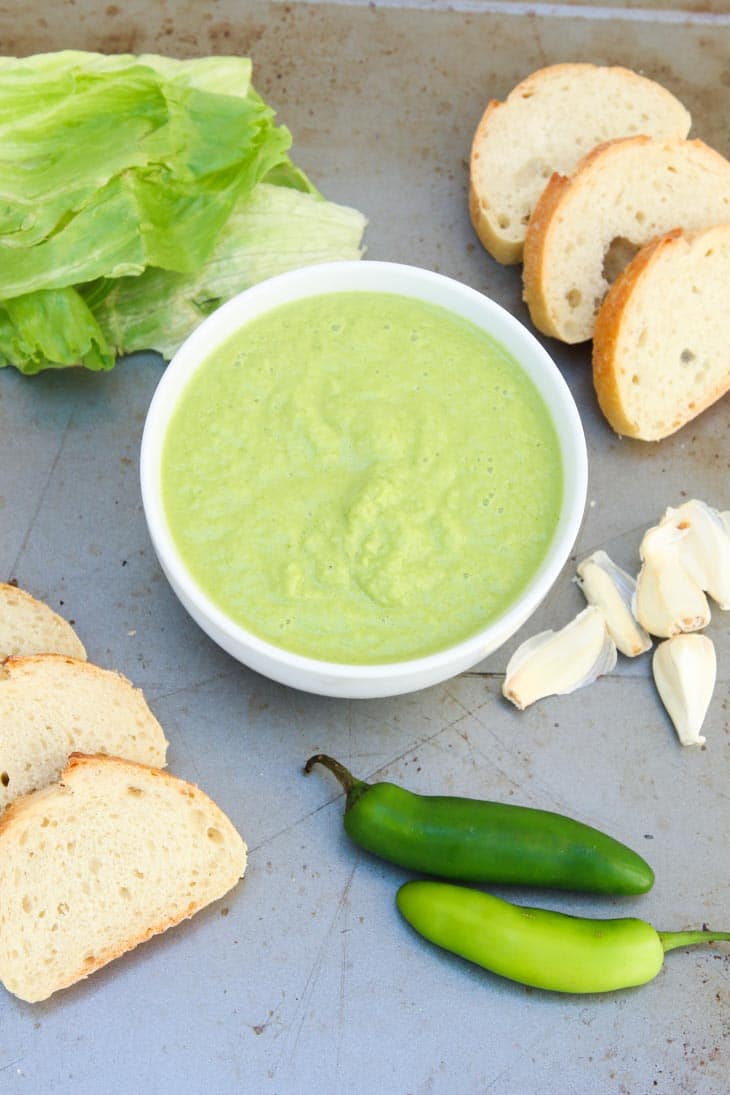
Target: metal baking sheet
(304, 979)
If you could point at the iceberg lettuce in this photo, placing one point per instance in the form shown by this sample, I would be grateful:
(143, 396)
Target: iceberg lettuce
(271, 230)
(137, 193)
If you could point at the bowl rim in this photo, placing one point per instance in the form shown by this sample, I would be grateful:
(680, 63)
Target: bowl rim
(349, 276)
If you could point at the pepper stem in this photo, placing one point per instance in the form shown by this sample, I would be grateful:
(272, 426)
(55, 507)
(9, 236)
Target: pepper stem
(345, 777)
(670, 940)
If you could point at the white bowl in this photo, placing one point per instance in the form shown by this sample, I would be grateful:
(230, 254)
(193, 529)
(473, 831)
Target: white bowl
(330, 678)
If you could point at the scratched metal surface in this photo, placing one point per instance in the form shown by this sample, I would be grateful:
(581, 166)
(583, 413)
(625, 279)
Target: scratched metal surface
(304, 979)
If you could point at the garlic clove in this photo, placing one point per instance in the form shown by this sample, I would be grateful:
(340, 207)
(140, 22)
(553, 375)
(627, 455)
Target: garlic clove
(685, 669)
(554, 663)
(659, 539)
(611, 589)
(667, 600)
(704, 550)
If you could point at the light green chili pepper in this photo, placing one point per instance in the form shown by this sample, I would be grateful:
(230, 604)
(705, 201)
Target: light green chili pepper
(548, 950)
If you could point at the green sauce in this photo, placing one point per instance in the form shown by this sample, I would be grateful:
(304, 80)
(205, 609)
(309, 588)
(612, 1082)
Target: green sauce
(361, 477)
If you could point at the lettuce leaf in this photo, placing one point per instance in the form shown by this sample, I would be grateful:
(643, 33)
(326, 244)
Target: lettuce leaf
(51, 329)
(135, 156)
(132, 185)
(271, 230)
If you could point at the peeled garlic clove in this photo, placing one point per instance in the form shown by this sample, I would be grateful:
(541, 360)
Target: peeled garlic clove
(660, 538)
(684, 671)
(704, 550)
(554, 663)
(667, 600)
(611, 589)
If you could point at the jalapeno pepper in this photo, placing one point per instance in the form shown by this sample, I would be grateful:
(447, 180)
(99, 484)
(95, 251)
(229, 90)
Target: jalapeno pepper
(548, 950)
(476, 841)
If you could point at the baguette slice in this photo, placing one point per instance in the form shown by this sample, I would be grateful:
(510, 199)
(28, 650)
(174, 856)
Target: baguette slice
(546, 124)
(28, 626)
(661, 351)
(96, 864)
(52, 705)
(587, 227)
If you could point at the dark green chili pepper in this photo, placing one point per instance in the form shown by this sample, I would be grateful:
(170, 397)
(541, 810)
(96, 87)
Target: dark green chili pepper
(476, 841)
(548, 950)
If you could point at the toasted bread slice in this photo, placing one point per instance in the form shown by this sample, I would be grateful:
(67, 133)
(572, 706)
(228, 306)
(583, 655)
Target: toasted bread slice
(52, 705)
(587, 227)
(96, 864)
(28, 626)
(661, 350)
(546, 124)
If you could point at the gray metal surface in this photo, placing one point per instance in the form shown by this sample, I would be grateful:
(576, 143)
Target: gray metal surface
(304, 979)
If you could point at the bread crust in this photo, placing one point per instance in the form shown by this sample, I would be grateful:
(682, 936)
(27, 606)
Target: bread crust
(79, 763)
(610, 369)
(509, 254)
(537, 243)
(16, 662)
(605, 358)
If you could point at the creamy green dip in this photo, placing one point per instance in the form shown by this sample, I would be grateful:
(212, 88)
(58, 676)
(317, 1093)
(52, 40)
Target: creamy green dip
(361, 477)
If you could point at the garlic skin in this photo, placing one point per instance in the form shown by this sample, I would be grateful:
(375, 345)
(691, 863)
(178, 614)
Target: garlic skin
(611, 589)
(554, 663)
(704, 550)
(685, 669)
(667, 600)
